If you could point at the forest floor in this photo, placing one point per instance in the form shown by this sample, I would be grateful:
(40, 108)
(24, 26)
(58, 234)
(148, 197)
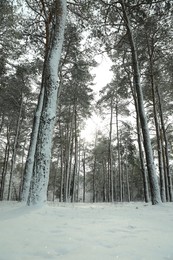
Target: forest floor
(134, 231)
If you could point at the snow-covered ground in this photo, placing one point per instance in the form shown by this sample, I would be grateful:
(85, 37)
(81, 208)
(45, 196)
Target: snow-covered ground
(132, 231)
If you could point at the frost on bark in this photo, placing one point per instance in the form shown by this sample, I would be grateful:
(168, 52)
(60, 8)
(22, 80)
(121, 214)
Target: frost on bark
(50, 83)
(154, 186)
(31, 153)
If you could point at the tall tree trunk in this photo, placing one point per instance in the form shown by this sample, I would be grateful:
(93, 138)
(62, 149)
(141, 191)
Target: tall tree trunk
(110, 153)
(84, 174)
(139, 138)
(165, 145)
(151, 49)
(28, 171)
(2, 122)
(164, 167)
(141, 155)
(127, 176)
(142, 163)
(5, 166)
(75, 156)
(14, 151)
(119, 156)
(94, 172)
(78, 173)
(154, 186)
(39, 183)
(62, 164)
(93, 180)
(55, 179)
(70, 170)
(22, 171)
(159, 148)
(68, 159)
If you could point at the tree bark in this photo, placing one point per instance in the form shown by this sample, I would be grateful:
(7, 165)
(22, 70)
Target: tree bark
(159, 148)
(119, 156)
(14, 151)
(141, 156)
(28, 171)
(75, 155)
(84, 174)
(110, 153)
(165, 146)
(50, 82)
(155, 191)
(68, 159)
(5, 165)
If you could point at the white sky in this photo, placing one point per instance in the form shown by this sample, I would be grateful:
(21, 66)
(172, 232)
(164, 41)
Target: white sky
(102, 72)
(103, 77)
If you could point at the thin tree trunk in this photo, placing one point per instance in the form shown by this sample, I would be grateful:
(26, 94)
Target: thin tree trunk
(78, 174)
(165, 167)
(5, 165)
(75, 156)
(68, 158)
(31, 152)
(93, 181)
(62, 166)
(127, 177)
(14, 151)
(55, 179)
(2, 123)
(22, 171)
(110, 153)
(159, 148)
(104, 182)
(84, 175)
(139, 138)
(141, 155)
(94, 171)
(165, 146)
(142, 163)
(119, 157)
(155, 191)
(70, 170)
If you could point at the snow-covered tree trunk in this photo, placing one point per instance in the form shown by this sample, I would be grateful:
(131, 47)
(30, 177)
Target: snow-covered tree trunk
(154, 186)
(139, 138)
(31, 153)
(67, 195)
(50, 81)
(5, 165)
(159, 148)
(165, 147)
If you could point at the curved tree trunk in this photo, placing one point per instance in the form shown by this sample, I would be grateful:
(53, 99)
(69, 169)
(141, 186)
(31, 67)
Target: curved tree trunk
(50, 82)
(31, 152)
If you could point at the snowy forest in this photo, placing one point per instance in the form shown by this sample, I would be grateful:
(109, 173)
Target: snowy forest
(48, 60)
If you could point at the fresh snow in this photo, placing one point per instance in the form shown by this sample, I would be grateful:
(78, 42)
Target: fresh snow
(134, 231)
